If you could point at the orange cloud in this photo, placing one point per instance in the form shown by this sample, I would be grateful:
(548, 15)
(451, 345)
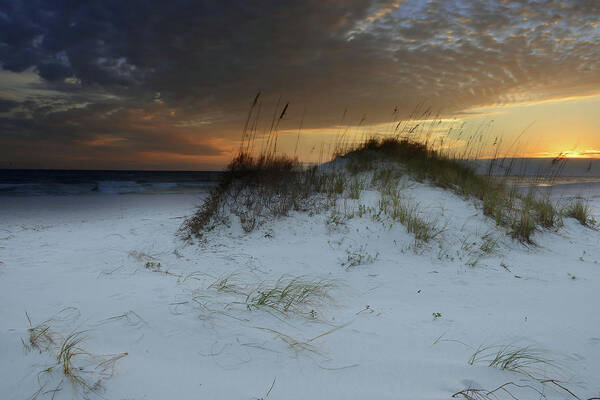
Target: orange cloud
(104, 141)
(588, 153)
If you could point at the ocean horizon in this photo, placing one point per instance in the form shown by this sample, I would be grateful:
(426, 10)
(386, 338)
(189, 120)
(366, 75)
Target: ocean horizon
(61, 182)
(58, 182)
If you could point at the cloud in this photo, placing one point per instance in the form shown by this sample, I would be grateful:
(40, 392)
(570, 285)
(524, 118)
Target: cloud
(7, 105)
(206, 60)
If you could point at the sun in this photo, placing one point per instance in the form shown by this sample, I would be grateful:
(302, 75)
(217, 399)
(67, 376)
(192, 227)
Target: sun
(570, 154)
(587, 153)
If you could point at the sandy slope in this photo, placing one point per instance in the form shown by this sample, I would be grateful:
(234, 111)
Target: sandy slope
(187, 341)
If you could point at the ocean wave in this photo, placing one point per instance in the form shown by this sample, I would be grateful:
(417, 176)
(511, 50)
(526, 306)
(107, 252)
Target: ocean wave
(14, 186)
(164, 185)
(117, 187)
(101, 188)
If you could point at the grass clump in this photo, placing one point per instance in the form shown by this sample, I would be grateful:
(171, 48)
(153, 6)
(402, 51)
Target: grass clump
(256, 189)
(522, 215)
(489, 244)
(358, 256)
(41, 338)
(547, 216)
(287, 295)
(385, 179)
(85, 371)
(523, 360)
(70, 350)
(422, 162)
(407, 213)
(523, 225)
(228, 284)
(473, 250)
(355, 187)
(580, 211)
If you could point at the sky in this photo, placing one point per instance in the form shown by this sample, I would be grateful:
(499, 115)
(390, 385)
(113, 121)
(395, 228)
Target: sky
(103, 84)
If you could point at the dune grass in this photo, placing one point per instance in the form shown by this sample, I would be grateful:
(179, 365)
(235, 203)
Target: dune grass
(408, 214)
(288, 295)
(259, 186)
(358, 256)
(521, 214)
(525, 360)
(580, 211)
(507, 390)
(41, 338)
(70, 350)
(228, 284)
(256, 189)
(84, 371)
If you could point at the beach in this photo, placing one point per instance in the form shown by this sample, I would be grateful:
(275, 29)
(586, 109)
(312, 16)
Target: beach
(397, 323)
(300, 200)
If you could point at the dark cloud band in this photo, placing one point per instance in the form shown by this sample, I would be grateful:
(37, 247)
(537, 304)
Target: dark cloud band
(187, 61)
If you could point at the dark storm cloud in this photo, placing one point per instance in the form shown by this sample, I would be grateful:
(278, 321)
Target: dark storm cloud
(155, 72)
(7, 105)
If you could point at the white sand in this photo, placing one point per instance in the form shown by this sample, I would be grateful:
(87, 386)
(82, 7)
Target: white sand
(60, 252)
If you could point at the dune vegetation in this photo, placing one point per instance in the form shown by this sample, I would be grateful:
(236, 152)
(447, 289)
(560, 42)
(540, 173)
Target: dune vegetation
(395, 256)
(258, 186)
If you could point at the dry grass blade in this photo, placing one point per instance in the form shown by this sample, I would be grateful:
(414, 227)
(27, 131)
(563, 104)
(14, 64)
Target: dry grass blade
(228, 284)
(41, 337)
(266, 396)
(106, 366)
(329, 332)
(482, 394)
(69, 351)
(296, 345)
(130, 317)
(83, 370)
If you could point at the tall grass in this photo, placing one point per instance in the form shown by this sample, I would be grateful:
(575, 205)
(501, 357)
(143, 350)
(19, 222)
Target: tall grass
(580, 211)
(258, 186)
(255, 189)
(521, 214)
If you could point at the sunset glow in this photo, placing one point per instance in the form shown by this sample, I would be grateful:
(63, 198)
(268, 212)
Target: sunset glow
(160, 98)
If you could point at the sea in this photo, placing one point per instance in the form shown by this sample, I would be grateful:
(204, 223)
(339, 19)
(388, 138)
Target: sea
(560, 179)
(49, 182)
(575, 176)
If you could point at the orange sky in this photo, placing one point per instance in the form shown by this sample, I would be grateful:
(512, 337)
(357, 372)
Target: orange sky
(569, 127)
(166, 87)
